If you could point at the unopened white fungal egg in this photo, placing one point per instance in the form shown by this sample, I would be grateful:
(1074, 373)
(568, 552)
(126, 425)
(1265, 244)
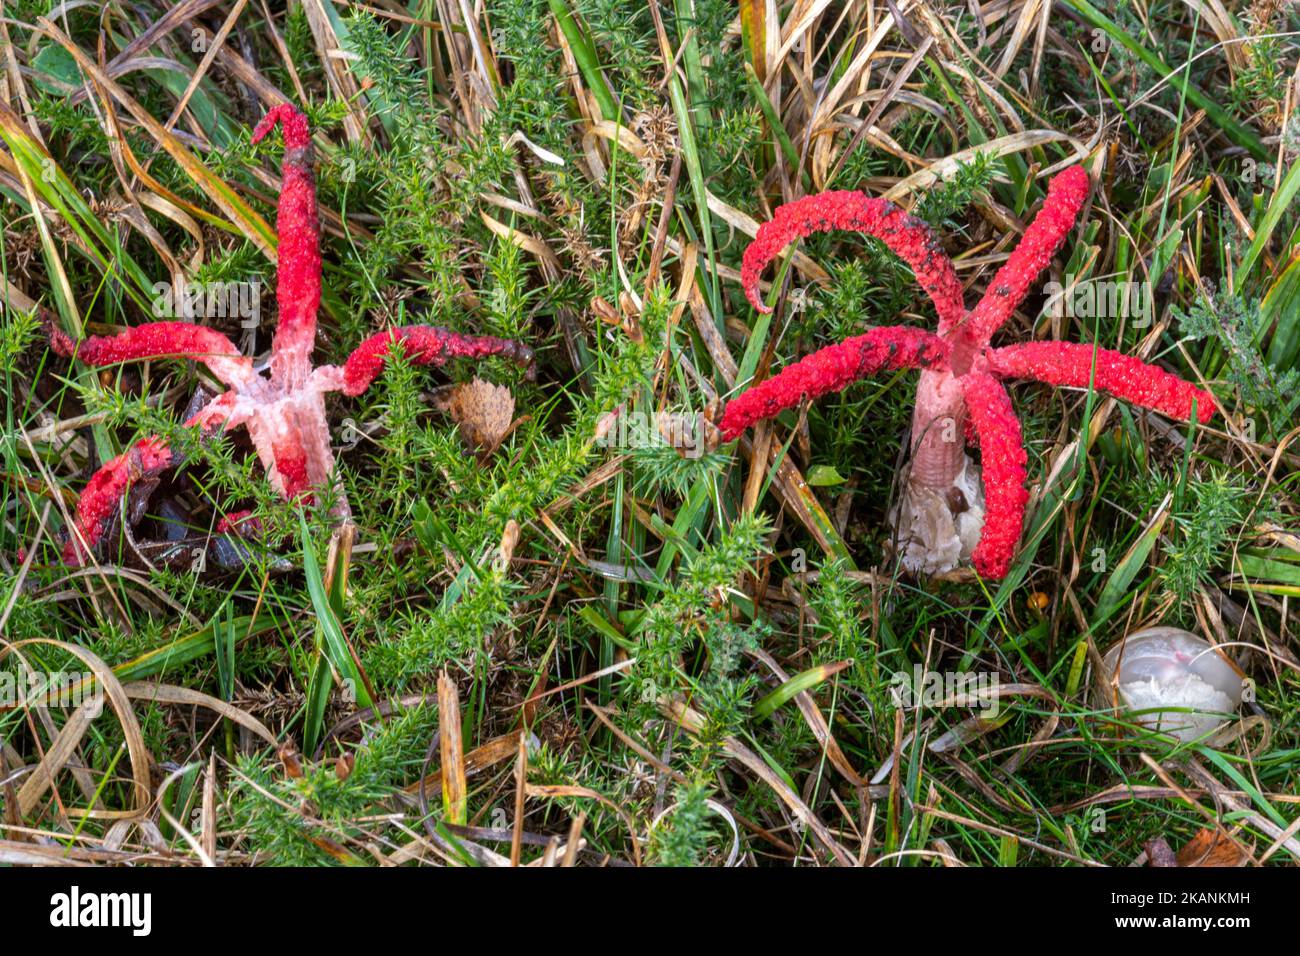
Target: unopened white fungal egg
(1172, 681)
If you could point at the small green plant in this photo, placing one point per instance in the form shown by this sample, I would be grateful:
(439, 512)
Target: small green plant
(1230, 321)
(1208, 527)
(684, 836)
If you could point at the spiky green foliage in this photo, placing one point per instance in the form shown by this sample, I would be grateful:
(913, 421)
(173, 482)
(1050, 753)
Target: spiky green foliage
(604, 583)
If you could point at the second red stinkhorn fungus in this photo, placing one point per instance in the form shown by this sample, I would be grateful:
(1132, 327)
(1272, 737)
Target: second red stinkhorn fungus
(285, 412)
(960, 386)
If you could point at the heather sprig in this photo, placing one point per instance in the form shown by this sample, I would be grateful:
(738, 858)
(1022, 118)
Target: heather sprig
(1229, 320)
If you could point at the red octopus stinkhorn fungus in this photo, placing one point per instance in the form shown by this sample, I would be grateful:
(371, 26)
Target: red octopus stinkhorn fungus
(284, 412)
(960, 386)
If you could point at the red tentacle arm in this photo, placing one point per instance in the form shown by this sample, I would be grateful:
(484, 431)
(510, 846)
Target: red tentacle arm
(1002, 456)
(908, 237)
(242, 523)
(159, 340)
(100, 499)
(832, 369)
(1065, 197)
(1071, 364)
(102, 495)
(298, 269)
(424, 345)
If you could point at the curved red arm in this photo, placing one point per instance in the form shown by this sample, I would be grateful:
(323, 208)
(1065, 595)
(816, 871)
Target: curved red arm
(148, 457)
(908, 237)
(830, 370)
(181, 340)
(99, 499)
(1002, 458)
(424, 345)
(1066, 194)
(1071, 364)
(298, 270)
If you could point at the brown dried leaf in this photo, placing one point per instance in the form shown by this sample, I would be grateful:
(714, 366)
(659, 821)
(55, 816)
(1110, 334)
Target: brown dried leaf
(1211, 848)
(454, 789)
(291, 760)
(483, 412)
(343, 766)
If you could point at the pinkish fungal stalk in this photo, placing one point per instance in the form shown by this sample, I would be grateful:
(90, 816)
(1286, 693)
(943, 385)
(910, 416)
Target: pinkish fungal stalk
(285, 412)
(939, 416)
(944, 509)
